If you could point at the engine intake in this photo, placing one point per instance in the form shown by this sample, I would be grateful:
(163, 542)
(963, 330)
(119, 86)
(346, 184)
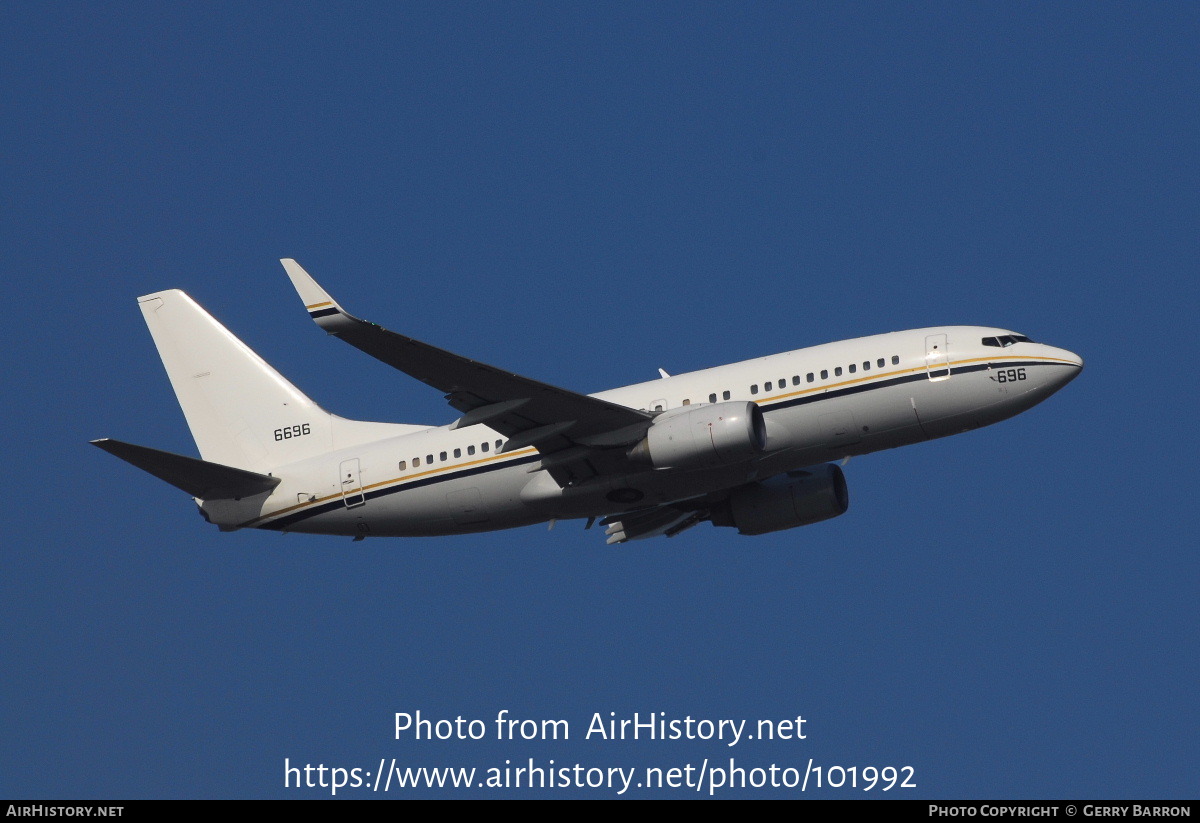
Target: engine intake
(705, 437)
(785, 501)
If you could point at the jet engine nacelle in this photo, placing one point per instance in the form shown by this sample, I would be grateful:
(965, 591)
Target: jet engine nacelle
(704, 437)
(785, 501)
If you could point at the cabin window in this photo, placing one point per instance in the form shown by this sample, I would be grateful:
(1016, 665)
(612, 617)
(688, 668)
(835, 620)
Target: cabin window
(879, 363)
(782, 382)
(499, 443)
(767, 387)
(416, 462)
(457, 453)
(429, 460)
(796, 380)
(442, 457)
(484, 446)
(470, 449)
(853, 368)
(686, 402)
(810, 377)
(725, 394)
(403, 465)
(824, 374)
(895, 360)
(837, 372)
(754, 389)
(712, 398)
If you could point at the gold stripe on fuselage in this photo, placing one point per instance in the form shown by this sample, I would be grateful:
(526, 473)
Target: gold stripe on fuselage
(395, 480)
(523, 452)
(900, 372)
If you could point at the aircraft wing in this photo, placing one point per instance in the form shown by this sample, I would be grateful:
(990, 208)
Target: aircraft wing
(526, 411)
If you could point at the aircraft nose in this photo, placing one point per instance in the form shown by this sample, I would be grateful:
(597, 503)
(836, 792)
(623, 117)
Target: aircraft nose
(1071, 358)
(1071, 366)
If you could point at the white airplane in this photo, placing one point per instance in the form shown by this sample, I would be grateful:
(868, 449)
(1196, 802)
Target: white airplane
(749, 445)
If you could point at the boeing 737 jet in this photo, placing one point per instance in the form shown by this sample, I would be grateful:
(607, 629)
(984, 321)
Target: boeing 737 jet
(753, 445)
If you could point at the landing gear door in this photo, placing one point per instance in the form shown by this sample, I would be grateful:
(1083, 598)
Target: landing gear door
(937, 357)
(351, 483)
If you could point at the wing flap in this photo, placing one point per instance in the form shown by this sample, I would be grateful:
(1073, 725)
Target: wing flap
(644, 523)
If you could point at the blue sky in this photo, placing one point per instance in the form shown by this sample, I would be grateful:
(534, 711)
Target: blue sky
(584, 194)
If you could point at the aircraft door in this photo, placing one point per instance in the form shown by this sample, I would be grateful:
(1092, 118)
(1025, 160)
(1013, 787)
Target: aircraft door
(839, 428)
(351, 482)
(466, 507)
(937, 357)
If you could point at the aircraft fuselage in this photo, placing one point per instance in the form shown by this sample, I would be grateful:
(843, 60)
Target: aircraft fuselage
(819, 404)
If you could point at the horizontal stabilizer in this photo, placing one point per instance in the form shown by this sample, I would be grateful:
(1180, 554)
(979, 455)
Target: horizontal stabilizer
(199, 478)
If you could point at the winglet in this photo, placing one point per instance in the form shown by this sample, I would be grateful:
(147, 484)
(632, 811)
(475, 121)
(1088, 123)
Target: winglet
(318, 302)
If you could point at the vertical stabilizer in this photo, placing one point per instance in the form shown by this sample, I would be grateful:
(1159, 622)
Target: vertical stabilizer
(241, 411)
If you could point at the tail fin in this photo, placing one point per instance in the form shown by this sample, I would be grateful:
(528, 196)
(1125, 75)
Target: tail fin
(241, 412)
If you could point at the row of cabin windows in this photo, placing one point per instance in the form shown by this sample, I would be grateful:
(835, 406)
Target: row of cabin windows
(442, 457)
(837, 372)
(811, 377)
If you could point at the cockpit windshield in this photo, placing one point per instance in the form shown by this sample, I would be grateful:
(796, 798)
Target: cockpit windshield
(1006, 340)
